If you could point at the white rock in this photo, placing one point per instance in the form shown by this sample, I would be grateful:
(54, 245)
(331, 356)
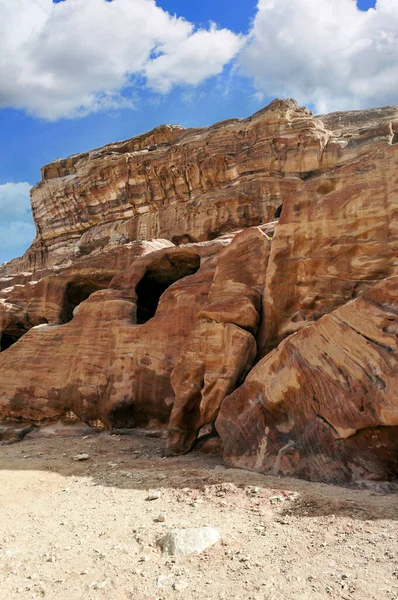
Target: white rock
(179, 542)
(81, 457)
(180, 586)
(161, 518)
(154, 496)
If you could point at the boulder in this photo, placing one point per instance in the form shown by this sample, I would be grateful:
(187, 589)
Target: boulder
(180, 542)
(222, 346)
(323, 405)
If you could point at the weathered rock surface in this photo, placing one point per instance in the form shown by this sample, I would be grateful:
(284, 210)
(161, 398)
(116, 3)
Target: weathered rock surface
(102, 365)
(187, 185)
(52, 298)
(102, 323)
(180, 542)
(222, 346)
(324, 404)
(336, 238)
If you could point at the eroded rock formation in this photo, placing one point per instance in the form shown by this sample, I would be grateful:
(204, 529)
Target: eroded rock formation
(190, 185)
(159, 277)
(324, 404)
(101, 365)
(222, 346)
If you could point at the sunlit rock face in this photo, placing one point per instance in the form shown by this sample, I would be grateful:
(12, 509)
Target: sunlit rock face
(172, 268)
(324, 404)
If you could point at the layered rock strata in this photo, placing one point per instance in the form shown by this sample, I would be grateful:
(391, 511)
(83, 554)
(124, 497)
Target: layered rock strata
(101, 322)
(102, 366)
(323, 405)
(190, 185)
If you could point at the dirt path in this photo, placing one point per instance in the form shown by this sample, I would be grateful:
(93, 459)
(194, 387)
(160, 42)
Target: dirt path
(81, 530)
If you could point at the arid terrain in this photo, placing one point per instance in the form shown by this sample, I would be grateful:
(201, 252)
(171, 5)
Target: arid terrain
(86, 529)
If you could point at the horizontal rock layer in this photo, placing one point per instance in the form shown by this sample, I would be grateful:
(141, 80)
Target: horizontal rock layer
(190, 185)
(101, 321)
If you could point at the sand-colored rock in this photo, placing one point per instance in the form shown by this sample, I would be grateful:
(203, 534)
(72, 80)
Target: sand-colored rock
(102, 366)
(151, 290)
(52, 298)
(222, 347)
(324, 404)
(337, 235)
(195, 184)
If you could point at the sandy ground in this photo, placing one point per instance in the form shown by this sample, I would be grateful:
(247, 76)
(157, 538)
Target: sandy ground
(81, 530)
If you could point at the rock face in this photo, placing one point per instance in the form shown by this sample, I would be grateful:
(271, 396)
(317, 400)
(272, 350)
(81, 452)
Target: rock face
(102, 365)
(324, 404)
(195, 184)
(222, 346)
(166, 266)
(337, 237)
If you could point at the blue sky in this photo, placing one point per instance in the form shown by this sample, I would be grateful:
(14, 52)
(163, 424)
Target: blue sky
(81, 73)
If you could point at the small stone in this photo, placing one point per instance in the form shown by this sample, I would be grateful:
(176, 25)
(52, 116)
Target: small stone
(153, 496)
(245, 559)
(80, 457)
(180, 542)
(275, 499)
(144, 559)
(161, 518)
(180, 586)
(164, 580)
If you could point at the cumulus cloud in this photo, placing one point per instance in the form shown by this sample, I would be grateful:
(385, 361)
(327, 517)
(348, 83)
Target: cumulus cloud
(323, 52)
(77, 56)
(17, 230)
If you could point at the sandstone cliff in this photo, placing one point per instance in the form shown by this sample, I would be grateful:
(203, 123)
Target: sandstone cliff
(159, 276)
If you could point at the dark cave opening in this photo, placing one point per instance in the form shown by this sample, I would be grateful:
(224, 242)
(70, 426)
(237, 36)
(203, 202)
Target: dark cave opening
(11, 335)
(76, 293)
(278, 212)
(148, 292)
(157, 279)
(7, 341)
(122, 416)
(179, 240)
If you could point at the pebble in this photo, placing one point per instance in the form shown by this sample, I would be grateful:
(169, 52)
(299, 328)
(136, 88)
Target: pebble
(161, 518)
(180, 586)
(80, 457)
(154, 496)
(180, 542)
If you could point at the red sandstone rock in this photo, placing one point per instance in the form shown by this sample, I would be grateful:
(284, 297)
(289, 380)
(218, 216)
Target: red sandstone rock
(222, 347)
(337, 237)
(121, 330)
(195, 184)
(324, 404)
(102, 366)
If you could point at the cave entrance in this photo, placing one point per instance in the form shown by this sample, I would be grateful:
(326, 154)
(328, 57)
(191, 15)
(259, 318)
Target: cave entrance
(278, 212)
(11, 335)
(158, 278)
(122, 416)
(78, 292)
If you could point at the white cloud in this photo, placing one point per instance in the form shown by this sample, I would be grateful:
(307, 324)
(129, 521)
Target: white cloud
(16, 235)
(15, 200)
(76, 57)
(323, 52)
(17, 230)
(199, 57)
